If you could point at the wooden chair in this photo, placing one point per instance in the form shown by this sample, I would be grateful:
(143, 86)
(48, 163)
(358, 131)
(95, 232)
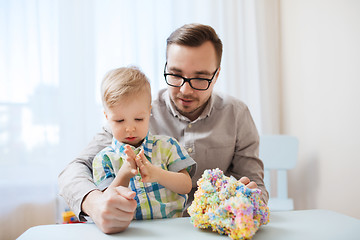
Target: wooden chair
(279, 154)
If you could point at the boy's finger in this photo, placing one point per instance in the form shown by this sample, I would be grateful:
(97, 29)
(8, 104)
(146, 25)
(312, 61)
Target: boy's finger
(128, 151)
(129, 159)
(134, 171)
(142, 157)
(138, 161)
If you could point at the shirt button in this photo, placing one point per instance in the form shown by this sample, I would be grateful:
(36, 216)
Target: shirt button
(190, 150)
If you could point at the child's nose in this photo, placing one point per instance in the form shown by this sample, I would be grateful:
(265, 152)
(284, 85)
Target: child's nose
(130, 128)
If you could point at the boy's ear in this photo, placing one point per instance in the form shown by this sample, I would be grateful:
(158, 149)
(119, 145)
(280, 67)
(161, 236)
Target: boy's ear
(106, 115)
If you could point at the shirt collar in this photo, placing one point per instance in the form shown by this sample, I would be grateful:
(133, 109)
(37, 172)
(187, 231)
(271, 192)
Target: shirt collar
(119, 147)
(171, 106)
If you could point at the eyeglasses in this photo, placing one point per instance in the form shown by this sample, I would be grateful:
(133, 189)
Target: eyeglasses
(175, 80)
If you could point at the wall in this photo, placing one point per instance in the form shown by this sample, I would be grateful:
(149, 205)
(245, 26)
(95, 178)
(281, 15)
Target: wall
(320, 75)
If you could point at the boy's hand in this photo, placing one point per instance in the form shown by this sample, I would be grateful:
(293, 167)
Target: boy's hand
(130, 164)
(127, 170)
(146, 169)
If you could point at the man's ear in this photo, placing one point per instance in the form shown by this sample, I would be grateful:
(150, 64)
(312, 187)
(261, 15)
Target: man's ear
(217, 74)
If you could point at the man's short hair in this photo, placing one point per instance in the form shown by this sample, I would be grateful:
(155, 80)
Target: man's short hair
(194, 35)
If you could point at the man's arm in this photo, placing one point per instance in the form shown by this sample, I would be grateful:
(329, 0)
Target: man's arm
(112, 210)
(76, 180)
(246, 162)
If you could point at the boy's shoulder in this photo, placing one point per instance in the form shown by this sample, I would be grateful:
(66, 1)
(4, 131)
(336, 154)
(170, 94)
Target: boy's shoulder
(159, 137)
(162, 139)
(107, 151)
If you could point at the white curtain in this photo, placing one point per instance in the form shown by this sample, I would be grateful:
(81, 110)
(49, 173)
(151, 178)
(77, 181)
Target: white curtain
(53, 55)
(135, 32)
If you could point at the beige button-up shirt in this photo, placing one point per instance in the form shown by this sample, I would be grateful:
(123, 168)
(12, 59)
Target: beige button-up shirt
(224, 136)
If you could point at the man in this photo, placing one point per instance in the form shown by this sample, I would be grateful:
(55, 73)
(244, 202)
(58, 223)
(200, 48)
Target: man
(217, 131)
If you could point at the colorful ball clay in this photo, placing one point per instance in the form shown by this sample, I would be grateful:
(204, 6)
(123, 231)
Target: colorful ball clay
(227, 206)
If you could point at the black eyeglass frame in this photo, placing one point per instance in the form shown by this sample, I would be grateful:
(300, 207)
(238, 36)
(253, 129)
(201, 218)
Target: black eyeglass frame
(188, 80)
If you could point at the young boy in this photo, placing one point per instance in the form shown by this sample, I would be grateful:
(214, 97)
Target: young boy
(155, 167)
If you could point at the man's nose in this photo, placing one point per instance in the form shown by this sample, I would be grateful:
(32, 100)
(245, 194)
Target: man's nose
(186, 88)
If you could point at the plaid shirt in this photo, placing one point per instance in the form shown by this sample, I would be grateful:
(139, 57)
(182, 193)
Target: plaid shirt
(153, 200)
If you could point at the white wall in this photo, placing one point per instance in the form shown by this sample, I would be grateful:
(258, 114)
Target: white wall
(320, 74)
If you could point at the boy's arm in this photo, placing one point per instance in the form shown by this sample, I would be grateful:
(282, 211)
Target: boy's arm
(179, 182)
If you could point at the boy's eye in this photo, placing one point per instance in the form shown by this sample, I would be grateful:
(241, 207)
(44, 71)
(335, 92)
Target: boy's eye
(139, 119)
(121, 120)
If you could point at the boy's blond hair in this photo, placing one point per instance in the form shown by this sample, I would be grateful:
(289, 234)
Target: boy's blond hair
(123, 82)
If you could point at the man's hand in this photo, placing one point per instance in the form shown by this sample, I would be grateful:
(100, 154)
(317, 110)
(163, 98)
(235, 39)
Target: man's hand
(112, 210)
(248, 183)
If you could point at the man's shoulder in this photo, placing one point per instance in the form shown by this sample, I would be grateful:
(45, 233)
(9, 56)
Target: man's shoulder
(226, 101)
(159, 105)
(160, 98)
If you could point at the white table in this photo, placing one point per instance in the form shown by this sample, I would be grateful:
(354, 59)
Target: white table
(292, 225)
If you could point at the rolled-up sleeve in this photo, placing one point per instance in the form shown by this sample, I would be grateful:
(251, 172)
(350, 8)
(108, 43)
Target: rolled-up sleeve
(76, 180)
(246, 160)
